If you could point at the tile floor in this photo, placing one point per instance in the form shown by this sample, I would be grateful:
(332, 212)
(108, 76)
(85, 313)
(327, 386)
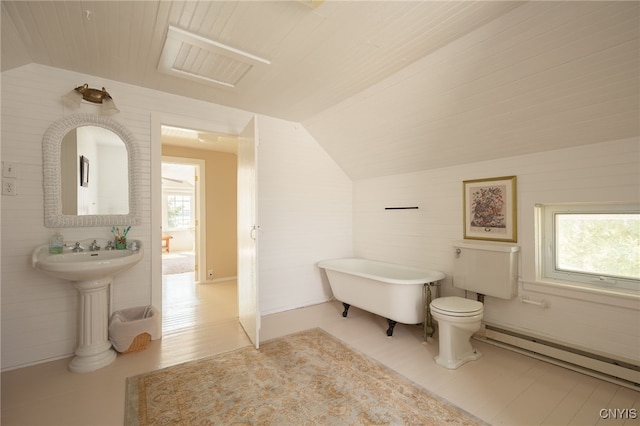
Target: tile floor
(501, 388)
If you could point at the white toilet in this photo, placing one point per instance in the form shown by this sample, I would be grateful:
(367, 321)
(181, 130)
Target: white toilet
(458, 319)
(487, 268)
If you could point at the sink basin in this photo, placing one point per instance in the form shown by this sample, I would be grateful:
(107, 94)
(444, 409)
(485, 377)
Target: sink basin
(85, 265)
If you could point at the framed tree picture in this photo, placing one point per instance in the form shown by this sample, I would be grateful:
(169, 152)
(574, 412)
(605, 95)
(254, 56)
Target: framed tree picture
(490, 209)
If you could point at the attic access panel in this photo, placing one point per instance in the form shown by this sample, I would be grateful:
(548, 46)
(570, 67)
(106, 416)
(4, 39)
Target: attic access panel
(198, 58)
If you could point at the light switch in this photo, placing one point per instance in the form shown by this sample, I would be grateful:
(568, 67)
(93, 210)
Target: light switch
(8, 169)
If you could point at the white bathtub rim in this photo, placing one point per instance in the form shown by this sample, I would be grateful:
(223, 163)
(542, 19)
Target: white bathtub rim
(424, 276)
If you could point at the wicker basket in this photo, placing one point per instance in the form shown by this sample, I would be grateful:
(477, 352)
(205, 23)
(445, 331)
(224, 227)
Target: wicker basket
(131, 329)
(139, 343)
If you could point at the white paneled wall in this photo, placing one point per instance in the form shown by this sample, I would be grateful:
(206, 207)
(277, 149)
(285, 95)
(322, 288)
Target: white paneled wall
(593, 173)
(39, 313)
(304, 209)
(307, 198)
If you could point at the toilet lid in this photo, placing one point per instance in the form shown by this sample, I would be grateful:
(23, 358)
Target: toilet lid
(457, 306)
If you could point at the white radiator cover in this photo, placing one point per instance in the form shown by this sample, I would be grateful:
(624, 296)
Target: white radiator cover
(620, 372)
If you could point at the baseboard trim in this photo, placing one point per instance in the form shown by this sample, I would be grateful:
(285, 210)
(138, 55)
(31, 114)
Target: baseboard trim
(291, 308)
(614, 372)
(217, 280)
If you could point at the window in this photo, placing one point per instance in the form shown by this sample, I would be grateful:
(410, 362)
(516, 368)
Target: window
(178, 195)
(179, 211)
(595, 245)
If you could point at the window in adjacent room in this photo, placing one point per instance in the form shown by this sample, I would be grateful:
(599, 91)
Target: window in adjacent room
(594, 245)
(178, 196)
(179, 211)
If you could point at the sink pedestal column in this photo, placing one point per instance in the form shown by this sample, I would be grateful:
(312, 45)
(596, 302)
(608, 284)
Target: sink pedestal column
(94, 348)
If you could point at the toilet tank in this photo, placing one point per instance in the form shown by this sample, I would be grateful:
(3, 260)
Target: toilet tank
(489, 268)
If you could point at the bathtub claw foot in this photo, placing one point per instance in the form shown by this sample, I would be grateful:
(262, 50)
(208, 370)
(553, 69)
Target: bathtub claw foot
(392, 324)
(346, 309)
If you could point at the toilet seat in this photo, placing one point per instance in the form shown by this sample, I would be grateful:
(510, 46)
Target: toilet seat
(456, 306)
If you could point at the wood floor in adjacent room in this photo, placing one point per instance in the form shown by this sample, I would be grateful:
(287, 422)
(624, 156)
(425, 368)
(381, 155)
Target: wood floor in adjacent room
(502, 387)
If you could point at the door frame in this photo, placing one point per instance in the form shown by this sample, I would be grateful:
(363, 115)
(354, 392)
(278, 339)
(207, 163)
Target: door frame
(157, 121)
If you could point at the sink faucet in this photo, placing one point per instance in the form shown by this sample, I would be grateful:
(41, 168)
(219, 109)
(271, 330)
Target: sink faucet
(77, 248)
(109, 245)
(94, 246)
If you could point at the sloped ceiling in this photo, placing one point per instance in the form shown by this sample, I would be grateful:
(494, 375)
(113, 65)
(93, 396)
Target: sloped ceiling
(385, 87)
(547, 76)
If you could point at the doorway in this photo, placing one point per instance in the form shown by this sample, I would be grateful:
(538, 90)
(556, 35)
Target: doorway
(181, 202)
(188, 304)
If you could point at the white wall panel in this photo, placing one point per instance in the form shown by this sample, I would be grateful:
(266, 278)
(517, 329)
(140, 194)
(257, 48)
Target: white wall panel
(304, 210)
(39, 313)
(600, 172)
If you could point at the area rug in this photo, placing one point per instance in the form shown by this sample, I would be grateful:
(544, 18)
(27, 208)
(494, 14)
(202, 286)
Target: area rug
(307, 378)
(177, 263)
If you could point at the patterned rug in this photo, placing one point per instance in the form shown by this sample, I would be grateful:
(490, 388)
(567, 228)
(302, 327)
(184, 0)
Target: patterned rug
(306, 378)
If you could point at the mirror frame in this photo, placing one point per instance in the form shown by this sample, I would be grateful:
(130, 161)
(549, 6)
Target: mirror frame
(51, 150)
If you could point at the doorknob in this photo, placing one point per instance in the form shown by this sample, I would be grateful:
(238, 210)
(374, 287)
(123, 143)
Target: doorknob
(252, 233)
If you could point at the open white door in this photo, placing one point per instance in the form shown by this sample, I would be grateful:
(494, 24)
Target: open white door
(248, 233)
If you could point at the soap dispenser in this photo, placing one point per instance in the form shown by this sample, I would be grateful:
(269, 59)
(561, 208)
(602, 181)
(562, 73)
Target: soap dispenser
(56, 243)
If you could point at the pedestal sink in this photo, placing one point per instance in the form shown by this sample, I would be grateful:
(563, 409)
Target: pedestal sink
(91, 273)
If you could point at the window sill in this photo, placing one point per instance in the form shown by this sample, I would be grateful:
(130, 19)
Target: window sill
(619, 298)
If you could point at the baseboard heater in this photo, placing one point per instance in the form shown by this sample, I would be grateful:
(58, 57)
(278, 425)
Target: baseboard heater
(615, 371)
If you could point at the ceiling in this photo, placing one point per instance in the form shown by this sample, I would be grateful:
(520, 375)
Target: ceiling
(385, 87)
(187, 138)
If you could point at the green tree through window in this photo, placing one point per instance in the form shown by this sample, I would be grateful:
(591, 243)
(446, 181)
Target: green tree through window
(600, 244)
(595, 246)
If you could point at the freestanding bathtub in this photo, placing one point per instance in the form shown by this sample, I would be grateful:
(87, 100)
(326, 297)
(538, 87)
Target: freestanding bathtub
(395, 292)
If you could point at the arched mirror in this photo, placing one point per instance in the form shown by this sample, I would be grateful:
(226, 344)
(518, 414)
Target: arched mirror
(90, 173)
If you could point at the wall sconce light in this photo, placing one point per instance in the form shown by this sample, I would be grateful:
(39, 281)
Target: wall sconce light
(96, 96)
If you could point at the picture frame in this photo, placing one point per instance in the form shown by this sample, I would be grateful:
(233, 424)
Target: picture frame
(84, 171)
(490, 209)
